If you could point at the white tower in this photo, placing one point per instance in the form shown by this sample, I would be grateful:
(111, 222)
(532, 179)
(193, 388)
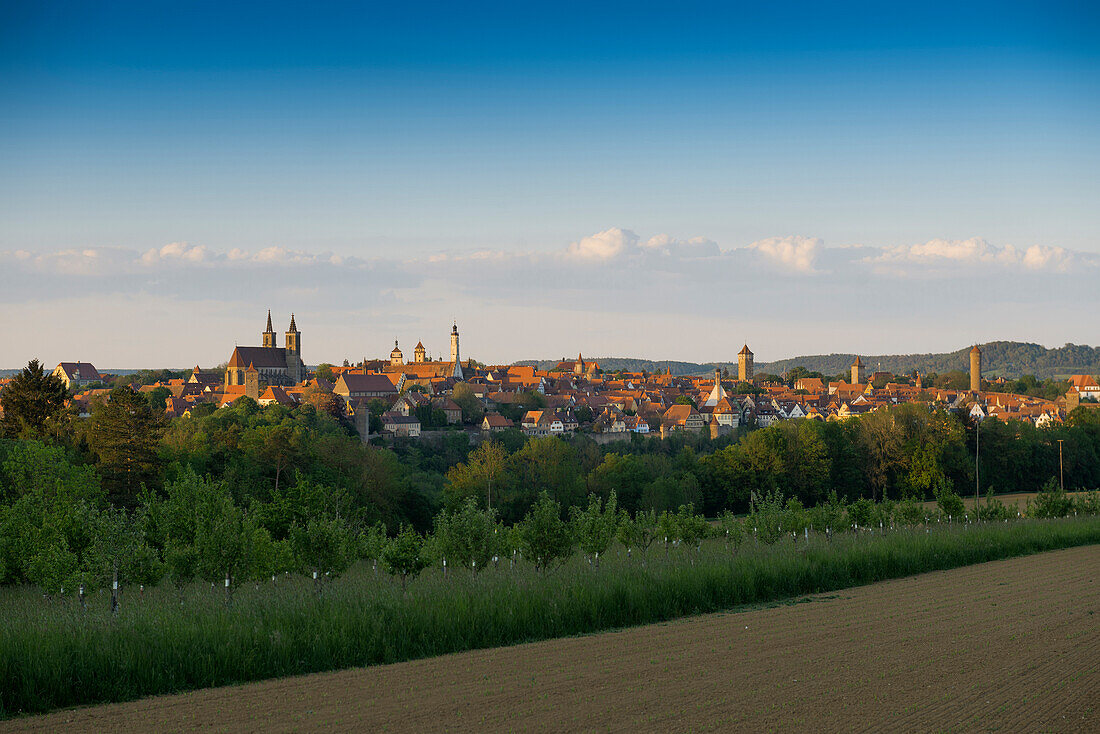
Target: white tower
(457, 371)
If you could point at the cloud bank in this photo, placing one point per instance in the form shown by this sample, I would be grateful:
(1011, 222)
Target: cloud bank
(613, 291)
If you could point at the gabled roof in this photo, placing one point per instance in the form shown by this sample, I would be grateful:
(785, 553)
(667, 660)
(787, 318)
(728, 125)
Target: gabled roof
(260, 357)
(86, 369)
(366, 383)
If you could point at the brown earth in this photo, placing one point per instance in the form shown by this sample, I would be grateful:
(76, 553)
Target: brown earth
(1005, 646)
(1015, 500)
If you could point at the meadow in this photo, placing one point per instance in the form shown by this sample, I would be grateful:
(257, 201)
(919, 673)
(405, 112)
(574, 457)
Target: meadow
(55, 653)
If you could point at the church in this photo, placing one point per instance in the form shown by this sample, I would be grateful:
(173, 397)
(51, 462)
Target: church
(274, 365)
(424, 367)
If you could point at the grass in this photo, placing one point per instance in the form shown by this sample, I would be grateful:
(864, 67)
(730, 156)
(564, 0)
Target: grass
(54, 655)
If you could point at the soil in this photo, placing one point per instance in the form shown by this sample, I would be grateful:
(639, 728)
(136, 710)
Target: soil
(1005, 646)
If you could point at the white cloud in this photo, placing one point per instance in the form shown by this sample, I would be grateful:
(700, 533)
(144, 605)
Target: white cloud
(605, 245)
(794, 253)
(669, 245)
(976, 251)
(176, 251)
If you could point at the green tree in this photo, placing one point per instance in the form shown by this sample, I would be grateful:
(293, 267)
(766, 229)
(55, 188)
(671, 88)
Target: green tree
(403, 555)
(472, 408)
(595, 526)
(546, 539)
(639, 531)
(124, 435)
(30, 399)
(324, 372)
(324, 545)
(468, 535)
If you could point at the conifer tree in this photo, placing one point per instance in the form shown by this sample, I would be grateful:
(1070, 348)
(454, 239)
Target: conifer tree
(30, 399)
(124, 435)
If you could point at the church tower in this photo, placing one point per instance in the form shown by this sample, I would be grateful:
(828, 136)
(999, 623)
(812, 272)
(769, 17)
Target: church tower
(295, 368)
(269, 334)
(456, 371)
(744, 365)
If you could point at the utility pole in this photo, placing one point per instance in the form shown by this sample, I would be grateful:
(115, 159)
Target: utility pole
(1061, 476)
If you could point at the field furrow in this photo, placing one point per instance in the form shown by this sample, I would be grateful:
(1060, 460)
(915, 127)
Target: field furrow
(1010, 645)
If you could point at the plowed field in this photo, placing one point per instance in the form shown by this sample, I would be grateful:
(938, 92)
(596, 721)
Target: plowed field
(1009, 646)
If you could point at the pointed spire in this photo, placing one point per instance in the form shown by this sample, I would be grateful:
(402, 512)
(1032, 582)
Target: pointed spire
(292, 326)
(269, 320)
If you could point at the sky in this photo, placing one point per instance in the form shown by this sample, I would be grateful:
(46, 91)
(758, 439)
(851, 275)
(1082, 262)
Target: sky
(666, 181)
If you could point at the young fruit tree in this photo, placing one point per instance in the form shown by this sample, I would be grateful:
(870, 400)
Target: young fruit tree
(638, 532)
(546, 539)
(402, 555)
(325, 546)
(596, 525)
(467, 536)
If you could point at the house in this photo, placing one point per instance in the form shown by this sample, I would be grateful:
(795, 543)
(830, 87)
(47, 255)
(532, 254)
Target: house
(636, 424)
(542, 423)
(449, 407)
(408, 403)
(357, 387)
(77, 375)
(403, 426)
(495, 422)
(1085, 386)
(683, 418)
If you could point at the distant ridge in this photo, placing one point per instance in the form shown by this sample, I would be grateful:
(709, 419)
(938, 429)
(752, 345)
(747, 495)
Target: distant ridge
(1008, 359)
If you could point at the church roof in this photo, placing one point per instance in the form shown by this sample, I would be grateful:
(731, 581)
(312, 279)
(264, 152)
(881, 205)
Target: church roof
(269, 320)
(259, 357)
(744, 350)
(292, 326)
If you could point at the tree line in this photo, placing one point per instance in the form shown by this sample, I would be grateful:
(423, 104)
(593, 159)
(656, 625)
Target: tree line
(287, 488)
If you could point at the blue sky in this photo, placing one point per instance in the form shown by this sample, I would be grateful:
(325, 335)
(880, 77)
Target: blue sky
(402, 136)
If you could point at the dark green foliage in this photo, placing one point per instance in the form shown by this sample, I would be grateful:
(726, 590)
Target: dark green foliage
(124, 436)
(33, 397)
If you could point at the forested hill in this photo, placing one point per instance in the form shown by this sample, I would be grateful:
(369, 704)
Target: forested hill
(1010, 359)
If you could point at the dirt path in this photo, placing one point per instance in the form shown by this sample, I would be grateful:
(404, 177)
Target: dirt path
(1011, 646)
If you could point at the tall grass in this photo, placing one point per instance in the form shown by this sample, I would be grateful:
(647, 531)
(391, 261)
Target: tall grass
(54, 654)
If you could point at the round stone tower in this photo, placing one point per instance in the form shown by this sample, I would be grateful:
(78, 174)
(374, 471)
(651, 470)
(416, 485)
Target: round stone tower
(975, 369)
